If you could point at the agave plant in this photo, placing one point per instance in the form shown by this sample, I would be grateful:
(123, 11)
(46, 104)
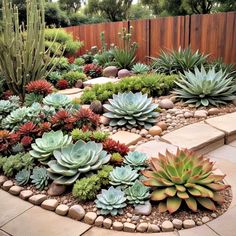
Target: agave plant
(75, 159)
(123, 176)
(111, 201)
(40, 177)
(44, 147)
(57, 100)
(184, 178)
(131, 110)
(137, 160)
(206, 87)
(23, 177)
(138, 193)
(140, 68)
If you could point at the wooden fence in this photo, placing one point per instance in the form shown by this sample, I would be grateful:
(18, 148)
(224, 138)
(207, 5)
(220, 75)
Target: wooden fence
(213, 34)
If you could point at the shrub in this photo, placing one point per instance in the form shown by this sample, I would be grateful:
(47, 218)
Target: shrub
(79, 61)
(60, 63)
(152, 84)
(183, 178)
(73, 76)
(93, 70)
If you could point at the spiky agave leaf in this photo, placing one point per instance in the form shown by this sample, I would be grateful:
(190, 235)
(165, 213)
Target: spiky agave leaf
(183, 177)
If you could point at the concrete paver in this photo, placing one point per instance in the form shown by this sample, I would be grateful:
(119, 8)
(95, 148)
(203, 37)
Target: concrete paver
(233, 143)
(126, 137)
(2, 233)
(203, 230)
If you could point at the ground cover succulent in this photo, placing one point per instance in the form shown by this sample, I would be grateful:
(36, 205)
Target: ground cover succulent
(131, 110)
(40, 177)
(23, 177)
(56, 100)
(44, 146)
(136, 160)
(184, 178)
(75, 159)
(111, 201)
(205, 88)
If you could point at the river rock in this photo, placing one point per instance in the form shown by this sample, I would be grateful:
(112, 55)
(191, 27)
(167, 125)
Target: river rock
(155, 130)
(188, 224)
(145, 209)
(56, 189)
(110, 71)
(167, 226)
(76, 212)
(166, 104)
(200, 114)
(124, 73)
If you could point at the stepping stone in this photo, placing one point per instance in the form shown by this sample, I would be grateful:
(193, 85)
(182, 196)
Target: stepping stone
(226, 123)
(100, 80)
(196, 231)
(73, 96)
(70, 91)
(126, 137)
(233, 144)
(153, 148)
(199, 137)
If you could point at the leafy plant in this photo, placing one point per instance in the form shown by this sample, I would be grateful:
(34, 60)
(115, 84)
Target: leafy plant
(54, 76)
(97, 136)
(131, 110)
(56, 100)
(40, 177)
(73, 76)
(137, 194)
(92, 70)
(79, 61)
(7, 140)
(75, 159)
(116, 159)
(7, 106)
(23, 177)
(123, 176)
(32, 98)
(44, 147)
(111, 201)
(206, 87)
(113, 146)
(60, 63)
(140, 68)
(136, 160)
(41, 87)
(183, 178)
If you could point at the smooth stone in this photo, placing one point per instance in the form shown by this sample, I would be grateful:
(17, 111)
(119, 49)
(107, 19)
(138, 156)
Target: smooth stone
(145, 209)
(213, 111)
(76, 212)
(200, 114)
(123, 73)
(2, 179)
(56, 189)
(107, 223)
(166, 104)
(205, 219)
(15, 190)
(50, 204)
(155, 130)
(234, 102)
(25, 194)
(37, 199)
(62, 210)
(126, 137)
(90, 218)
(188, 224)
(104, 120)
(100, 80)
(129, 227)
(117, 226)
(188, 114)
(162, 125)
(153, 228)
(167, 226)
(177, 223)
(110, 71)
(7, 185)
(142, 227)
(143, 132)
(69, 91)
(99, 221)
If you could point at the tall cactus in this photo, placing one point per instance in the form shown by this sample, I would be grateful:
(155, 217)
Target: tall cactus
(22, 49)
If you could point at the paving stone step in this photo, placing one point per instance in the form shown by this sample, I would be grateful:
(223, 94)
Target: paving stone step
(126, 137)
(100, 80)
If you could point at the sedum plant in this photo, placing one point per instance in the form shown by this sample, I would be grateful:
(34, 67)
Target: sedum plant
(75, 159)
(57, 100)
(44, 146)
(40, 177)
(205, 88)
(111, 201)
(140, 68)
(123, 176)
(184, 177)
(137, 160)
(23, 177)
(131, 110)
(137, 194)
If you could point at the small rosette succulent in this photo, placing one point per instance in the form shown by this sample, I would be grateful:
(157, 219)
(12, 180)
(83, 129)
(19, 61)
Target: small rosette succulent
(111, 201)
(44, 147)
(137, 194)
(123, 176)
(40, 177)
(57, 100)
(75, 159)
(137, 160)
(22, 177)
(184, 178)
(131, 110)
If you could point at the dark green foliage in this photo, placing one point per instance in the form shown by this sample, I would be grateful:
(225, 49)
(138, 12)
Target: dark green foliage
(73, 76)
(60, 63)
(152, 84)
(97, 136)
(12, 164)
(40, 177)
(30, 98)
(23, 177)
(54, 76)
(87, 188)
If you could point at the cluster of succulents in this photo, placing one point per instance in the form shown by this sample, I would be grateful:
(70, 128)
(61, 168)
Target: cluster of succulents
(136, 160)
(113, 146)
(57, 100)
(6, 106)
(92, 70)
(184, 178)
(75, 159)
(131, 110)
(97, 136)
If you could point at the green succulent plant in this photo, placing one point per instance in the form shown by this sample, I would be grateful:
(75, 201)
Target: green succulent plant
(23, 177)
(111, 201)
(31, 98)
(57, 100)
(6, 106)
(137, 194)
(44, 146)
(137, 160)
(75, 159)
(140, 68)
(40, 177)
(123, 176)
(184, 177)
(205, 88)
(54, 76)
(131, 110)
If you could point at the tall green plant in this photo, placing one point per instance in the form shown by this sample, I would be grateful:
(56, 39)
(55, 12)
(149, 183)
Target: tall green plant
(22, 49)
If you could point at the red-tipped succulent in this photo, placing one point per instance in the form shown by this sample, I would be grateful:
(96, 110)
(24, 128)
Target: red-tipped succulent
(62, 84)
(7, 139)
(39, 87)
(26, 141)
(92, 70)
(113, 146)
(28, 128)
